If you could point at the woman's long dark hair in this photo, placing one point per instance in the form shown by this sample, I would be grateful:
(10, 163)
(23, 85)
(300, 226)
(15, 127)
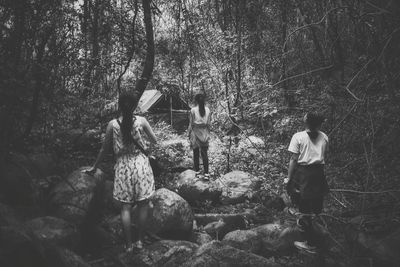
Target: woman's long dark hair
(313, 122)
(200, 100)
(127, 103)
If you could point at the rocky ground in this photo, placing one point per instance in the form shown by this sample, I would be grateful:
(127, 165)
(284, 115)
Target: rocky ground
(50, 216)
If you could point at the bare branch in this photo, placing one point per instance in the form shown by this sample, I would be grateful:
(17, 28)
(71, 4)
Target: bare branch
(354, 77)
(387, 42)
(364, 192)
(344, 118)
(302, 74)
(312, 24)
(381, 10)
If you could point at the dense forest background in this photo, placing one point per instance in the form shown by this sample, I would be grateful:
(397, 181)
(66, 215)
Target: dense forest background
(262, 65)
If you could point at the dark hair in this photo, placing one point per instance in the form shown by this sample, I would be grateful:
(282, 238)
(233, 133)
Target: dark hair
(127, 103)
(313, 122)
(200, 100)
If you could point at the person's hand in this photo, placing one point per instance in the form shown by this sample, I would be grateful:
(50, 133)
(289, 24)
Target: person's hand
(90, 170)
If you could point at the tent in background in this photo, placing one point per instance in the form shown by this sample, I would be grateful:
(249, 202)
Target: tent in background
(153, 101)
(158, 106)
(167, 107)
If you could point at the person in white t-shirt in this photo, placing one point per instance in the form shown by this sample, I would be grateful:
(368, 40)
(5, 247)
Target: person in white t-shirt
(306, 183)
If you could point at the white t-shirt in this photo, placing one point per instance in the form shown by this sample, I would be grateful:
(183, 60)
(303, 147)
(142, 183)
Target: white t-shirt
(310, 152)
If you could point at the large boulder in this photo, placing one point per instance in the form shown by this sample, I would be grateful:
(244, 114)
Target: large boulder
(111, 204)
(17, 182)
(221, 224)
(195, 190)
(20, 247)
(23, 177)
(78, 198)
(161, 253)
(216, 253)
(174, 154)
(7, 216)
(384, 250)
(277, 239)
(62, 257)
(246, 240)
(265, 240)
(270, 231)
(111, 230)
(54, 230)
(200, 238)
(171, 215)
(252, 145)
(237, 186)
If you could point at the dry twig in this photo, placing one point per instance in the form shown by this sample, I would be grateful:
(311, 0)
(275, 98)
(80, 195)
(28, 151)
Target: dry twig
(364, 192)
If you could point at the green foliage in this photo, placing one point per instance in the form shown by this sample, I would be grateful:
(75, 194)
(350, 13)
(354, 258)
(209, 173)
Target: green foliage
(261, 63)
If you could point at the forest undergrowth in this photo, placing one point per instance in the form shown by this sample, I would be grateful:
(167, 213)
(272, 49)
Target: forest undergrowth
(342, 215)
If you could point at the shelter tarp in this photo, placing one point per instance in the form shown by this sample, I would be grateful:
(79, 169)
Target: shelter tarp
(148, 99)
(151, 101)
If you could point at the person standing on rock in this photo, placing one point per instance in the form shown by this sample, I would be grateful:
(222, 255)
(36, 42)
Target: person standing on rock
(199, 134)
(306, 178)
(134, 181)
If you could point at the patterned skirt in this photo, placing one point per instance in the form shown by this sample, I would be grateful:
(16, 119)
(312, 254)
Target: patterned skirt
(134, 180)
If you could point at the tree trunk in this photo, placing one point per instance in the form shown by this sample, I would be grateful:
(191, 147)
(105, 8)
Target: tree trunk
(37, 74)
(95, 44)
(149, 61)
(85, 31)
(239, 8)
(227, 76)
(287, 96)
(306, 20)
(131, 52)
(337, 55)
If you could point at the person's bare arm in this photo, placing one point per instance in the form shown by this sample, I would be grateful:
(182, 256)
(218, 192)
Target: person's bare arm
(190, 123)
(326, 150)
(292, 165)
(149, 131)
(105, 148)
(209, 120)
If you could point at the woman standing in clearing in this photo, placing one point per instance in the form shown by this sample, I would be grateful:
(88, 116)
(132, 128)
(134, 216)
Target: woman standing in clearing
(134, 181)
(306, 176)
(199, 133)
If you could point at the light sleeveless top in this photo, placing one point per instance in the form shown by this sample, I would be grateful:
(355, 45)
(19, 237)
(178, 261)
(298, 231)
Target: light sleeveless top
(197, 119)
(118, 144)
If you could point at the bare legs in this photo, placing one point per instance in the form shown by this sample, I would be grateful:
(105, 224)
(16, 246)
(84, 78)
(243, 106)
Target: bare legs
(142, 213)
(126, 223)
(142, 207)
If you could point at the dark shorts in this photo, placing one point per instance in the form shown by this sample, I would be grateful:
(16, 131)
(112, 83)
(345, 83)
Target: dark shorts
(311, 205)
(309, 182)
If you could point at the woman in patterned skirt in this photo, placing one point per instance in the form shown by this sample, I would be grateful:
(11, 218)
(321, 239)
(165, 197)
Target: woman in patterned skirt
(134, 181)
